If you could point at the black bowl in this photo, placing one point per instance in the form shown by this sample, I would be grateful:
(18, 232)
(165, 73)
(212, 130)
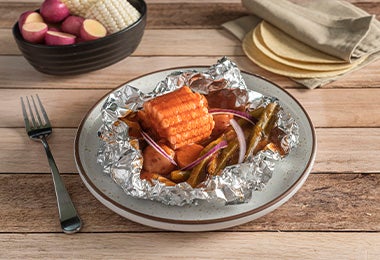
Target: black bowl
(85, 56)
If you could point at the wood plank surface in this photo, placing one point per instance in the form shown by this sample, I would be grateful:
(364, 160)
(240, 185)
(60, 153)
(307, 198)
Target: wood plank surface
(335, 214)
(113, 75)
(66, 107)
(169, 15)
(216, 245)
(326, 202)
(340, 150)
(17, 73)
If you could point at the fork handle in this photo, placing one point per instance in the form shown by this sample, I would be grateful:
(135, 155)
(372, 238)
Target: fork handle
(70, 221)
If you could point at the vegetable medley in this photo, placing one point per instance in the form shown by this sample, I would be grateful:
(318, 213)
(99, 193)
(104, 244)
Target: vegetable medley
(186, 136)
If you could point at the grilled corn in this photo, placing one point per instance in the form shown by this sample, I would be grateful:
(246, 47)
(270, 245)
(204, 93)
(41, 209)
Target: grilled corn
(180, 117)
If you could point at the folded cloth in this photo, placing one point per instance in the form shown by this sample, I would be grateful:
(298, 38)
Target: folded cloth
(334, 27)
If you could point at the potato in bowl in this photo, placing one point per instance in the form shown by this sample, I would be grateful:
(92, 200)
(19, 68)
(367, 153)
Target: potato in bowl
(84, 56)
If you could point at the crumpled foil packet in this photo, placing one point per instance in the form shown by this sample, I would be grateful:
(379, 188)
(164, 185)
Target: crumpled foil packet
(121, 158)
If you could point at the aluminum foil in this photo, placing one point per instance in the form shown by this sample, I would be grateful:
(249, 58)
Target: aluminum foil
(121, 159)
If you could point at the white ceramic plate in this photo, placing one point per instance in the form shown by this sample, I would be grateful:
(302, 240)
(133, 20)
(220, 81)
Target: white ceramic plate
(288, 177)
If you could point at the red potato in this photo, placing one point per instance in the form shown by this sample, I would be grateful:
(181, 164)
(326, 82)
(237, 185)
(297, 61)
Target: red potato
(59, 38)
(54, 11)
(222, 122)
(72, 25)
(34, 32)
(54, 29)
(29, 17)
(155, 162)
(79, 40)
(187, 154)
(92, 30)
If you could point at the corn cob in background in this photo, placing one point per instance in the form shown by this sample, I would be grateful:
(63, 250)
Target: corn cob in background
(79, 7)
(115, 15)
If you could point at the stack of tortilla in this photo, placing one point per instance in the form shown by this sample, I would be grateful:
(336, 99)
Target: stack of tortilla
(278, 52)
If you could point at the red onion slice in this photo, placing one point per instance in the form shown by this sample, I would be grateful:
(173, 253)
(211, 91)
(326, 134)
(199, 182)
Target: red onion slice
(221, 145)
(241, 114)
(241, 139)
(157, 147)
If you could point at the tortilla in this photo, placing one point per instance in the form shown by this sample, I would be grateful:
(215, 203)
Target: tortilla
(255, 55)
(288, 47)
(259, 43)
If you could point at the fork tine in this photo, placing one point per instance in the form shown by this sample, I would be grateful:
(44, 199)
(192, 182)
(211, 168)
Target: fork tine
(37, 113)
(26, 120)
(43, 111)
(31, 112)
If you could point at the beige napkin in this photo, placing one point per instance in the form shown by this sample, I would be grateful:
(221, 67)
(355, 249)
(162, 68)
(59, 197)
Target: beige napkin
(335, 27)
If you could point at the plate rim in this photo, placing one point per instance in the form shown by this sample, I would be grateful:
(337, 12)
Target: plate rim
(294, 187)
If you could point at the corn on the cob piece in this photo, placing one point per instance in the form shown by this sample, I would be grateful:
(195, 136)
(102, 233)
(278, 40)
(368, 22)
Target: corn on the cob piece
(180, 117)
(115, 15)
(79, 7)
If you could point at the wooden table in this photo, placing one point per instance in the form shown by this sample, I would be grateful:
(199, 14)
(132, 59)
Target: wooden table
(335, 215)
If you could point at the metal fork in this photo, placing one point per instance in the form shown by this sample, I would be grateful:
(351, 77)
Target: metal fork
(38, 130)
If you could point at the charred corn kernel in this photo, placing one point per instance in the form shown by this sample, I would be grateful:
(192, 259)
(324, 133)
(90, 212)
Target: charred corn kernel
(180, 117)
(78, 7)
(115, 15)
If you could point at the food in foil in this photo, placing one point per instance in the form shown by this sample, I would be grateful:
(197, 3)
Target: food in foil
(196, 136)
(182, 138)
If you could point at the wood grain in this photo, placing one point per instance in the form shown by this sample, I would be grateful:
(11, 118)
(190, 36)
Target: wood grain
(335, 215)
(347, 150)
(208, 245)
(169, 15)
(17, 145)
(327, 202)
(120, 72)
(340, 107)
(17, 73)
(339, 150)
(66, 107)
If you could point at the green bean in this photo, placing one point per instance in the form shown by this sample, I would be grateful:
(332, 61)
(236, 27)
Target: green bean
(214, 165)
(198, 173)
(227, 155)
(179, 176)
(262, 128)
(257, 112)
